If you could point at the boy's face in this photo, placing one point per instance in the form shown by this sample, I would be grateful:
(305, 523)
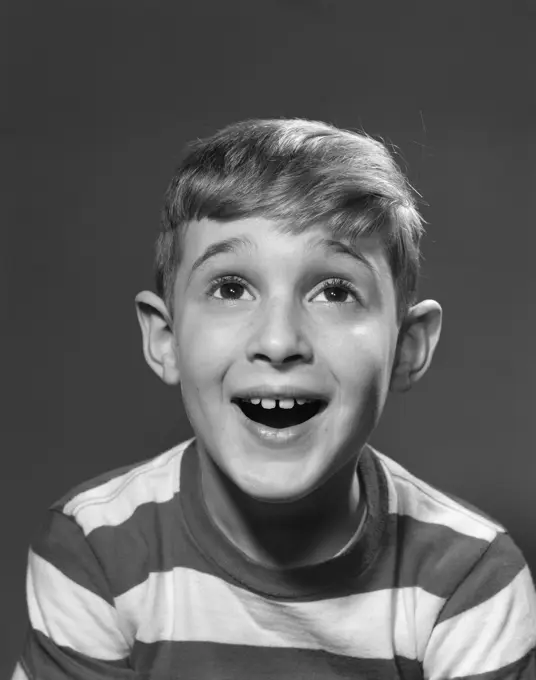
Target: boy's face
(279, 325)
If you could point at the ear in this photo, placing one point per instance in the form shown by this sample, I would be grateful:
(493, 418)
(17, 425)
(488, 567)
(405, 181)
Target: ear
(417, 340)
(158, 340)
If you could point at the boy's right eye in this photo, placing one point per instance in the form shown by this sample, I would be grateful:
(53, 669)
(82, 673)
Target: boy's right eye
(228, 288)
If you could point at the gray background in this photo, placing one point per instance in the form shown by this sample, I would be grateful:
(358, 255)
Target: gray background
(100, 97)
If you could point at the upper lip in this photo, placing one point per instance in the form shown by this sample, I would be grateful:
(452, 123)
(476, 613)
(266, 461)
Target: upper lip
(281, 392)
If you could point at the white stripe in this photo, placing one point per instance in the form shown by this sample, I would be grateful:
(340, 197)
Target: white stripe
(71, 615)
(487, 637)
(409, 495)
(113, 502)
(185, 605)
(19, 673)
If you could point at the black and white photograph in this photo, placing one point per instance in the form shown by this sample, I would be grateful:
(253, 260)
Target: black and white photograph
(270, 339)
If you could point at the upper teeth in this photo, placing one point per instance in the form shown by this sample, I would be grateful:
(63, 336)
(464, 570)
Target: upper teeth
(283, 403)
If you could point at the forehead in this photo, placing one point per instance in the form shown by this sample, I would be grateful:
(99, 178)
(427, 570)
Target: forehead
(270, 242)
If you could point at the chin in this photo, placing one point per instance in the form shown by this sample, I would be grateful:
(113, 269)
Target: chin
(284, 487)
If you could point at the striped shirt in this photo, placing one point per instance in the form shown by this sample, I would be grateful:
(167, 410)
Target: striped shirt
(130, 578)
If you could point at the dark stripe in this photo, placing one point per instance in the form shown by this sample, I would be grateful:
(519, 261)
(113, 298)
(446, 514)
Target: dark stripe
(524, 669)
(62, 543)
(499, 565)
(213, 661)
(153, 539)
(415, 553)
(43, 660)
(420, 554)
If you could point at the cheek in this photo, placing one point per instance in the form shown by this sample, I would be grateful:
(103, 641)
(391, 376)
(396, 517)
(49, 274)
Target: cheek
(360, 355)
(204, 352)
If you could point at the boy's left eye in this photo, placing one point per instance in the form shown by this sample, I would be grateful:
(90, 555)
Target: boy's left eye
(334, 293)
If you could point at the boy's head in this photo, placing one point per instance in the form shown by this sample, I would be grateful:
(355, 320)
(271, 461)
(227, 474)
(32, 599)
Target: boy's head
(286, 270)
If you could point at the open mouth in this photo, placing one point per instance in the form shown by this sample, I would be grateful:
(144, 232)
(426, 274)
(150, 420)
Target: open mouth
(280, 413)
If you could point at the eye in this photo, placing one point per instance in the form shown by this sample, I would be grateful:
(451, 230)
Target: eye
(338, 291)
(229, 288)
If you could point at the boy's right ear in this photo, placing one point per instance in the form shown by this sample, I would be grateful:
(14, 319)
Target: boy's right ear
(159, 346)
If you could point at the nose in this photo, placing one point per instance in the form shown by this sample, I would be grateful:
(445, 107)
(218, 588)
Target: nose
(279, 336)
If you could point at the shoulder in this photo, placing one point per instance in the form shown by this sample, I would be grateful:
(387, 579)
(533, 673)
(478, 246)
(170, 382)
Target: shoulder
(108, 534)
(112, 498)
(412, 497)
(464, 567)
(441, 541)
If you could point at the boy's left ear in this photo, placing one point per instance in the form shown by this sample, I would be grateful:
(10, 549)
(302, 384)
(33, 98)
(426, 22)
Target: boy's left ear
(417, 340)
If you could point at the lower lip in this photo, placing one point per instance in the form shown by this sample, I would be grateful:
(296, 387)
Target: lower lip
(277, 437)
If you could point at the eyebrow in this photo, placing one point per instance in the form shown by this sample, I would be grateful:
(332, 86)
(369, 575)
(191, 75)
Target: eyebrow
(235, 244)
(228, 245)
(340, 248)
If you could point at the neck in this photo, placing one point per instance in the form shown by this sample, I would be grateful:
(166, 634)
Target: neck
(305, 531)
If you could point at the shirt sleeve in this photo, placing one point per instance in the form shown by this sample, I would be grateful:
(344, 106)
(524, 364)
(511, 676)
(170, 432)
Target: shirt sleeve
(487, 628)
(75, 632)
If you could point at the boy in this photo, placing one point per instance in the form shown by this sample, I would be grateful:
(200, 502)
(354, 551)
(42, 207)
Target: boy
(277, 543)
